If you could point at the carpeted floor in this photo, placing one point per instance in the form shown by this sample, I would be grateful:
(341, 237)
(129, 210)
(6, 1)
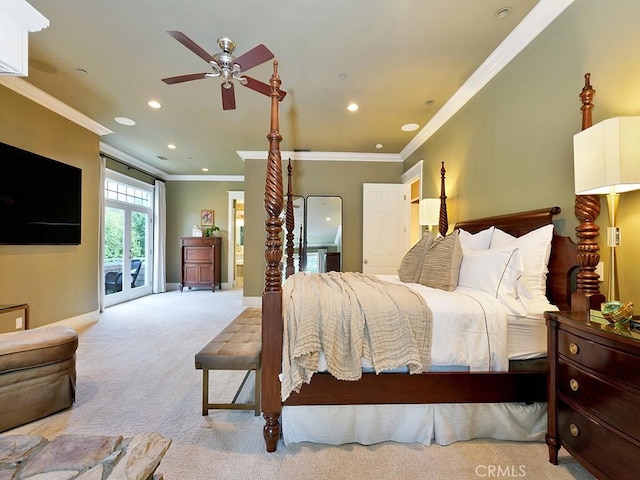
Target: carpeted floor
(136, 374)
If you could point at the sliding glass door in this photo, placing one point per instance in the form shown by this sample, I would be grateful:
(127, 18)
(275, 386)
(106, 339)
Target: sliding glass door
(127, 239)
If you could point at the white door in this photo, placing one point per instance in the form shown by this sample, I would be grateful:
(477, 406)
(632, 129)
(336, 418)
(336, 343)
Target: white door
(127, 239)
(385, 228)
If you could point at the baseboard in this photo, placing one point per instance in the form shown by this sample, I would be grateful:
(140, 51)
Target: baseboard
(176, 286)
(80, 322)
(251, 301)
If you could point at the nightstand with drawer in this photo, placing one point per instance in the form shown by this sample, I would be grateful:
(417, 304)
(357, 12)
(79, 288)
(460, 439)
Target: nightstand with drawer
(594, 394)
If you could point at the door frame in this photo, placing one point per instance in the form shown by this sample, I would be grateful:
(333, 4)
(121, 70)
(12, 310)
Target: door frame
(411, 176)
(127, 292)
(231, 257)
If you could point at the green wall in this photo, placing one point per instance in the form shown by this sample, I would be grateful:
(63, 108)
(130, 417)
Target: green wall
(184, 202)
(510, 148)
(343, 179)
(58, 282)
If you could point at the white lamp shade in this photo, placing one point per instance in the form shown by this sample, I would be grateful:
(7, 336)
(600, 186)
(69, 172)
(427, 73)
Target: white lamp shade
(429, 211)
(606, 157)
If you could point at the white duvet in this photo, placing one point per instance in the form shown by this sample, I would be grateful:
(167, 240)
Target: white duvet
(469, 329)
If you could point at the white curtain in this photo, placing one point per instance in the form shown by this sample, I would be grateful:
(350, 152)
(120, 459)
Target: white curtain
(159, 238)
(103, 163)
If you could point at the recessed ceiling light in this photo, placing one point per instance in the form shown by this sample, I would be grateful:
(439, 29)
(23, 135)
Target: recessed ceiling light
(81, 70)
(352, 107)
(430, 102)
(171, 146)
(342, 76)
(205, 169)
(379, 146)
(125, 121)
(502, 13)
(409, 127)
(154, 104)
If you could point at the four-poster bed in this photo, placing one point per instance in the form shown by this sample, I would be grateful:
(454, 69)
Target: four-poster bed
(520, 383)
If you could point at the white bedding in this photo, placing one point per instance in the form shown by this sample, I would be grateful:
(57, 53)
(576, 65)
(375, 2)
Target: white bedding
(469, 329)
(527, 335)
(478, 335)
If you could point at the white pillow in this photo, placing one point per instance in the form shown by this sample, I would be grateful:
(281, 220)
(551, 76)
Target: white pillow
(499, 272)
(535, 248)
(475, 241)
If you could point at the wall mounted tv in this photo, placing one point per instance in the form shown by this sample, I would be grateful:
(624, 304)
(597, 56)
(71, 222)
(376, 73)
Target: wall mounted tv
(40, 199)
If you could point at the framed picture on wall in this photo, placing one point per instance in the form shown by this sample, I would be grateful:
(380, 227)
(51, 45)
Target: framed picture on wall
(206, 218)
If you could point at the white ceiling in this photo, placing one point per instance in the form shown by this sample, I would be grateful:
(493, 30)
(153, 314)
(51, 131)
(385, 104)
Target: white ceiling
(106, 58)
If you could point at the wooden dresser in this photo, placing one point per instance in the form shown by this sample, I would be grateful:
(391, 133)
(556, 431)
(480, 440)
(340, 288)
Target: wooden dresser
(201, 261)
(594, 395)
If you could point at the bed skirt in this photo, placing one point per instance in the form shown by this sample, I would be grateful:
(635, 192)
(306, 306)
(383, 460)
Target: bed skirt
(442, 424)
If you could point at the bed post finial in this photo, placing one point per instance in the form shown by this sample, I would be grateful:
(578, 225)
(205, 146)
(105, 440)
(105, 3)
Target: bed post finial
(443, 221)
(272, 296)
(586, 95)
(587, 209)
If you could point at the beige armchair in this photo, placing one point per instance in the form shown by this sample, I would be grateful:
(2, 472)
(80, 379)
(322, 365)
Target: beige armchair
(37, 374)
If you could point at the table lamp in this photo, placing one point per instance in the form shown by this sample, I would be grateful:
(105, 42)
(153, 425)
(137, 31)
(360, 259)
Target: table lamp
(606, 160)
(429, 212)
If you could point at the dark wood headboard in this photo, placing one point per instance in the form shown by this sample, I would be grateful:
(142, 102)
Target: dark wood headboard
(562, 262)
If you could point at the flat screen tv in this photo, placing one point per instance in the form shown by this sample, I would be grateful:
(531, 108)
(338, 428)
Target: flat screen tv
(40, 199)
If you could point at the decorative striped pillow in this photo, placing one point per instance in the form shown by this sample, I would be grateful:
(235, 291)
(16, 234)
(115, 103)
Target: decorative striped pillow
(411, 264)
(441, 265)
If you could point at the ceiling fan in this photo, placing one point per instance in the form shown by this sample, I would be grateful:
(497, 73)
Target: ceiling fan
(226, 66)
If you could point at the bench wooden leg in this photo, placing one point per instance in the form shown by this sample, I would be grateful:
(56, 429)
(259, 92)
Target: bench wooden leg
(257, 393)
(205, 392)
(206, 406)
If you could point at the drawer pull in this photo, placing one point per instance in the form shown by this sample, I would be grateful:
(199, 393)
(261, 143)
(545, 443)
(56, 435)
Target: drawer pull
(575, 431)
(573, 383)
(573, 348)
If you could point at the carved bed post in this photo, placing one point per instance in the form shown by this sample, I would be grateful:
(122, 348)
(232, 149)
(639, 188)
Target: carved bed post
(272, 296)
(587, 209)
(302, 257)
(290, 223)
(443, 222)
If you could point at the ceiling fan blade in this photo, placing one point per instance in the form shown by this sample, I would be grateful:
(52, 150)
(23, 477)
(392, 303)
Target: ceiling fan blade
(184, 78)
(262, 87)
(254, 57)
(228, 97)
(191, 45)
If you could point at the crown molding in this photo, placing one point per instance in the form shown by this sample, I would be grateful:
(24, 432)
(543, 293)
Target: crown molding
(24, 88)
(324, 156)
(206, 178)
(543, 14)
(134, 162)
(28, 16)
(161, 174)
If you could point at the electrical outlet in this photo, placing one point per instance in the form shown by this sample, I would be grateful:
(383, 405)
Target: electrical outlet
(18, 323)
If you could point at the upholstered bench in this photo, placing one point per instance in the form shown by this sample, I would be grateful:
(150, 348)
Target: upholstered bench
(237, 347)
(37, 373)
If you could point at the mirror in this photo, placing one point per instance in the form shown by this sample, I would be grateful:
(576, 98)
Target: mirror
(323, 234)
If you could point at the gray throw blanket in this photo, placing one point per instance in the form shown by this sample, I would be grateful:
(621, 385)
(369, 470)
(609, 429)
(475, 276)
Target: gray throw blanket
(350, 316)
